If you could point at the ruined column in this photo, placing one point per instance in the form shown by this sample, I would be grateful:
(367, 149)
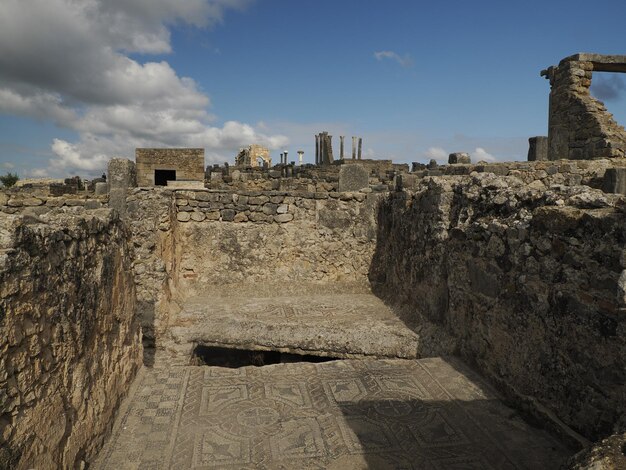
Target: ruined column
(286, 161)
(537, 148)
(329, 149)
(317, 149)
(300, 155)
(341, 137)
(360, 145)
(353, 148)
(122, 176)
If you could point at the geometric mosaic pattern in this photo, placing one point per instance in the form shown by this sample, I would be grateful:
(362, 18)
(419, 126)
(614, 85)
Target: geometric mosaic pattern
(397, 414)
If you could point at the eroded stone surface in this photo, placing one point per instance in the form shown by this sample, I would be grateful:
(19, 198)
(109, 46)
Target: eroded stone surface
(338, 325)
(427, 414)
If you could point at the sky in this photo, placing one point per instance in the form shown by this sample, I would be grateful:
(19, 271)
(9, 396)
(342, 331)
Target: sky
(82, 81)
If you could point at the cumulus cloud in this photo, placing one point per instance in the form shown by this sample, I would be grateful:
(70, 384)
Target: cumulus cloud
(480, 154)
(607, 87)
(437, 153)
(404, 61)
(441, 155)
(67, 61)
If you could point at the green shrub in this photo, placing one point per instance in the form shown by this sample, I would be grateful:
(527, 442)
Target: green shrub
(9, 179)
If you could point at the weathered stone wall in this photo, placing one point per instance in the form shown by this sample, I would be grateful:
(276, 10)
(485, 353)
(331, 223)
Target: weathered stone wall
(188, 163)
(149, 212)
(529, 282)
(273, 241)
(579, 126)
(69, 342)
(20, 201)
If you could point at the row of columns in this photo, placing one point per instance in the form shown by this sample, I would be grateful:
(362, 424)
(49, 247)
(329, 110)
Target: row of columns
(324, 150)
(284, 161)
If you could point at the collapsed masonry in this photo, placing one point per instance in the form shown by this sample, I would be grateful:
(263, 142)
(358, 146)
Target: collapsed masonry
(579, 125)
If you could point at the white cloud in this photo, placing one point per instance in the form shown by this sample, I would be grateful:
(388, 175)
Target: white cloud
(404, 61)
(67, 61)
(437, 153)
(480, 154)
(7, 165)
(37, 173)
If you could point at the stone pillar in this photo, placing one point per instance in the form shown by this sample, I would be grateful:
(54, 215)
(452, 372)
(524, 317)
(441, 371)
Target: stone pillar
(537, 148)
(341, 137)
(329, 149)
(300, 155)
(360, 145)
(122, 176)
(353, 148)
(286, 161)
(317, 149)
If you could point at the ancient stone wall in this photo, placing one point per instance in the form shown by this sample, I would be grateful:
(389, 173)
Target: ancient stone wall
(579, 126)
(149, 213)
(529, 282)
(188, 163)
(69, 342)
(253, 241)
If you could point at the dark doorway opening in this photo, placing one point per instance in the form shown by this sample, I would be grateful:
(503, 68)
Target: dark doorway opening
(161, 177)
(234, 358)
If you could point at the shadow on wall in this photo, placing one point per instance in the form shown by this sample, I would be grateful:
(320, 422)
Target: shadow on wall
(418, 295)
(529, 291)
(145, 311)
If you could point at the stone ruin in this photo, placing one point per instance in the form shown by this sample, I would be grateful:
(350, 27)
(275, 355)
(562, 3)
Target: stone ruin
(254, 156)
(441, 310)
(579, 125)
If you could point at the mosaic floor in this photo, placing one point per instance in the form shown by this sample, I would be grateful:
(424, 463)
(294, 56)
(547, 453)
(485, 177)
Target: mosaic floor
(338, 325)
(352, 414)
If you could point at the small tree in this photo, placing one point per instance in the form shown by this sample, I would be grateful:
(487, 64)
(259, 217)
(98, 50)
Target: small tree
(9, 179)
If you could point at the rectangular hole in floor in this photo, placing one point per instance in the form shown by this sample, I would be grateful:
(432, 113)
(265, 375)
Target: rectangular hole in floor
(234, 358)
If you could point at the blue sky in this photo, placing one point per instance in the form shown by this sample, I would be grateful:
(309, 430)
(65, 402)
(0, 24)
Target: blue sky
(81, 82)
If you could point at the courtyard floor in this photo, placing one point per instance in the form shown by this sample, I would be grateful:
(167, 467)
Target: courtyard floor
(347, 414)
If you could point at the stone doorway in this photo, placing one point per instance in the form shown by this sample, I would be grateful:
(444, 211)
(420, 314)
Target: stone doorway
(161, 177)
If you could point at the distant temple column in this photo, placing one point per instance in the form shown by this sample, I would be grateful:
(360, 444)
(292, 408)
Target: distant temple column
(360, 145)
(300, 155)
(341, 137)
(317, 149)
(353, 147)
(286, 161)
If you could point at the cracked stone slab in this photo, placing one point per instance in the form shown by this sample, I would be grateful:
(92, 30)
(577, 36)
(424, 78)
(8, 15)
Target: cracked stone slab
(348, 325)
(386, 414)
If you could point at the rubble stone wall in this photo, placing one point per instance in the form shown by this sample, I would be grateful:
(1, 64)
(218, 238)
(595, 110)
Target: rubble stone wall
(530, 283)
(69, 341)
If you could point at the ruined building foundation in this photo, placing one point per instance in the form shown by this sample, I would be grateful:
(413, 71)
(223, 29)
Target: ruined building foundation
(347, 315)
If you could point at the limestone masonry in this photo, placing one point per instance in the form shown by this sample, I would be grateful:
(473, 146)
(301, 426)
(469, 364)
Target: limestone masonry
(473, 314)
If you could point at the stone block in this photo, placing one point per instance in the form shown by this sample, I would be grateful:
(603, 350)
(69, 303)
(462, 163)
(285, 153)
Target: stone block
(459, 157)
(101, 189)
(537, 148)
(283, 218)
(183, 216)
(353, 178)
(614, 181)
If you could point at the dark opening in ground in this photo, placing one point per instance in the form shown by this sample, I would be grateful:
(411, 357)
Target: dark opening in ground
(161, 177)
(234, 358)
